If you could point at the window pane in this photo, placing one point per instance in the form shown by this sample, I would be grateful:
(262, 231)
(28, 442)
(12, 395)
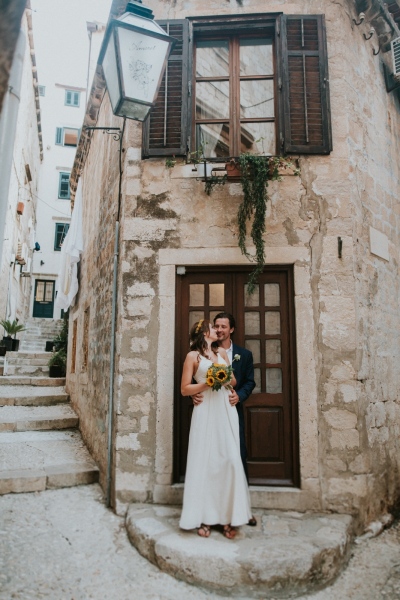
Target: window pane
(252, 323)
(212, 100)
(213, 314)
(258, 138)
(272, 323)
(212, 58)
(256, 99)
(271, 292)
(254, 298)
(254, 347)
(256, 57)
(217, 294)
(257, 379)
(273, 352)
(274, 381)
(70, 137)
(196, 293)
(195, 315)
(214, 139)
(39, 291)
(49, 292)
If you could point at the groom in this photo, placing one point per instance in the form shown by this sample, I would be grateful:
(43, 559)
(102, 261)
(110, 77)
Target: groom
(242, 364)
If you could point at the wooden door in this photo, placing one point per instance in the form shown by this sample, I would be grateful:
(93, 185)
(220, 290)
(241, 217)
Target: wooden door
(43, 303)
(264, 325)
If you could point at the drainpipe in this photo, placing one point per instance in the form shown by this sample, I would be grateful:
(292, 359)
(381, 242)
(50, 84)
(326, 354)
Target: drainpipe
(113, 327)
(8, 126)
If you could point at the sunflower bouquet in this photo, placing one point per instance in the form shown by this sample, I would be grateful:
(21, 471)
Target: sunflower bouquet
(218, 375)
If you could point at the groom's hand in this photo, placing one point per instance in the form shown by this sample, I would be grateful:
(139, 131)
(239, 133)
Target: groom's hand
(197, 398)
(233, 398)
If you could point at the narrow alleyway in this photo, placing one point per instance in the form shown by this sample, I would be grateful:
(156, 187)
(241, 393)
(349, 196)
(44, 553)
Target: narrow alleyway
(65, 545)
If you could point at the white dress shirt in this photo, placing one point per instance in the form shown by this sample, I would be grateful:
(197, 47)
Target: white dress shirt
(229, 352)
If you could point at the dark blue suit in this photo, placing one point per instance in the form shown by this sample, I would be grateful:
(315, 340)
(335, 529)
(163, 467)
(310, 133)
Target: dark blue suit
(244, 374)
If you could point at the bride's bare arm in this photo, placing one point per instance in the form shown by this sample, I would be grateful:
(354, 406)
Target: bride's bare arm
(189, 369)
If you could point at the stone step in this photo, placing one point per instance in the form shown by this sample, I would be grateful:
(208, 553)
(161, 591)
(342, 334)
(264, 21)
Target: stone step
(40, 381)
(24, 395)
(286, 555)
(38, 460)
(31, 371)
(37, 418)
(28, 358)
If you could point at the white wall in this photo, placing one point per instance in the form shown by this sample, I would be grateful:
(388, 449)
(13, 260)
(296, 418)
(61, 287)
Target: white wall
(15, 290)
(62, 51)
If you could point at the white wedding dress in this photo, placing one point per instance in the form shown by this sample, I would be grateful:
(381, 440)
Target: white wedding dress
(216, 490)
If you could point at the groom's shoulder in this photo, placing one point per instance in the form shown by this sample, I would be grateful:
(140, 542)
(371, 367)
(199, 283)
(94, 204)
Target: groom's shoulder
(239, 350)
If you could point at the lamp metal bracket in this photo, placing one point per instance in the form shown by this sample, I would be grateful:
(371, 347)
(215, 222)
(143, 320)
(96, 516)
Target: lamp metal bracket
(114, 131)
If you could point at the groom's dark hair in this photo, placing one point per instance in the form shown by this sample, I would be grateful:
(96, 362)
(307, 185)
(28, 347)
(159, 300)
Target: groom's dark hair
(226, 315)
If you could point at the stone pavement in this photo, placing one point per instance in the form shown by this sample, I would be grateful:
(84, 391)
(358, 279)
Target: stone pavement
(65, 545)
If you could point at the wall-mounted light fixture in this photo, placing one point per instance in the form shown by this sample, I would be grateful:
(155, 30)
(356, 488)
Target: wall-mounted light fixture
(134, 56)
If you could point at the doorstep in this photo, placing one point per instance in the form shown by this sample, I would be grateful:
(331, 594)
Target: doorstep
(286, 555)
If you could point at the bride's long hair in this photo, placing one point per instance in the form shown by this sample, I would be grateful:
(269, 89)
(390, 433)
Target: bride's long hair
(198, 337)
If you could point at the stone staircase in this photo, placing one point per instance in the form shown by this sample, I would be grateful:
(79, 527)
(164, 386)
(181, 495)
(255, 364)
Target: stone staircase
(28, 364)
(37, 333)
(40, 444)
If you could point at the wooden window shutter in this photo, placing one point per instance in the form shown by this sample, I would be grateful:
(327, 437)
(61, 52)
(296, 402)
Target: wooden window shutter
(165, 130)
(304, 116)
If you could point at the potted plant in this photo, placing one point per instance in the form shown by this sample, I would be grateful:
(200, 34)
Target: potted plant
(3, 349)
(58, 364)
(11, 328)
(58, 360)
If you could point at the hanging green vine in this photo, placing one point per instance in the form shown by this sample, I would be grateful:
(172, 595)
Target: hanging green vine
(256, 172)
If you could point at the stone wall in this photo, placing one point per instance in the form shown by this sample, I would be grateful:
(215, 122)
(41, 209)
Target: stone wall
(346, 317)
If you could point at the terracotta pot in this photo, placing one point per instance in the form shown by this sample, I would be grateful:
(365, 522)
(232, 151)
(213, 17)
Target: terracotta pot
(233, 169)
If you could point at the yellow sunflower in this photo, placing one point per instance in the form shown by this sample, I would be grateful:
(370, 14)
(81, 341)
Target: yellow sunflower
(210, 381)
(221, 376)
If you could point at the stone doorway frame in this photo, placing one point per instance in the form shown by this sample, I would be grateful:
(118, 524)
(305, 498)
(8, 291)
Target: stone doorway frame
(308, 497)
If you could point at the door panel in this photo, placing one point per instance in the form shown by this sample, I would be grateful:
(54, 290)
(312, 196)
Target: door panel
(265, 326)
(43, 303)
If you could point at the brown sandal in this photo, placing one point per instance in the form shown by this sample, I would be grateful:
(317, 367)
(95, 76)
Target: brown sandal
(229, 532)
(204, 531)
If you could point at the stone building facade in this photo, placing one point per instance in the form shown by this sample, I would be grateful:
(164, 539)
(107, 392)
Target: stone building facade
(19, 188)
(332, 232)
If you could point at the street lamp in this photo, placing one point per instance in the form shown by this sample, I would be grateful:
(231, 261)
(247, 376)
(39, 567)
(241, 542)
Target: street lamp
(134, 57)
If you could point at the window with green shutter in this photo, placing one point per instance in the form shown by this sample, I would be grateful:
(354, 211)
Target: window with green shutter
(60, 233)
(72, 98)
(63, 186)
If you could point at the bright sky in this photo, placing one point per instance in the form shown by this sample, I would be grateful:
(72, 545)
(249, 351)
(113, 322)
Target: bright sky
(61, 39)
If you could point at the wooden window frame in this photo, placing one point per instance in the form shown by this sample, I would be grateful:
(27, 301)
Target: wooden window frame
(234, 78)
(309, 92)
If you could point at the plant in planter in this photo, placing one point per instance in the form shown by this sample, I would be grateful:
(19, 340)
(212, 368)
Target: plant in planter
(11, 328)
(3, 349)
(256, 172)
(58, 364)
(58, 360)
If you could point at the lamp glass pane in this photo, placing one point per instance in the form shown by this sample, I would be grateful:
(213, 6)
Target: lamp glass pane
(142, 63)
(111, 72)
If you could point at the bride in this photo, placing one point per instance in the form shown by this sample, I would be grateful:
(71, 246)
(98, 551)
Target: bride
(216, 491)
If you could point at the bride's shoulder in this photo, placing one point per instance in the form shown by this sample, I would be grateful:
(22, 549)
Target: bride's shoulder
(192, 355)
